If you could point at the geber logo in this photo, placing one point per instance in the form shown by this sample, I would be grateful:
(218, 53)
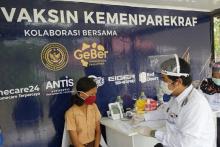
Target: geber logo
(54, 56)
(94, 54)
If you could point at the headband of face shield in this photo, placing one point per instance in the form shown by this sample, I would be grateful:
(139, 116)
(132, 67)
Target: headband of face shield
(167, 65)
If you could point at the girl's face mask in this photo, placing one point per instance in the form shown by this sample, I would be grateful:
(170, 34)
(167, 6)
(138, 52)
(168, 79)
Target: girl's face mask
(90, 99)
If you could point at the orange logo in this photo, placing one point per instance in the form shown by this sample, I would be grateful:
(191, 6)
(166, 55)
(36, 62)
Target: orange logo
(94, 54)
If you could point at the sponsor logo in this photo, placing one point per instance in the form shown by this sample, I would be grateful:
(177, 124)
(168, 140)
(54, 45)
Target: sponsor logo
(54, 56)
(146, 77)
(122, 79)
(32, 90)
(99, 80)
(60, 86)
(94, 54)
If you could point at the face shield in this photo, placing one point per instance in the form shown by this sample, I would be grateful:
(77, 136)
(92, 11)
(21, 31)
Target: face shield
(167, 65)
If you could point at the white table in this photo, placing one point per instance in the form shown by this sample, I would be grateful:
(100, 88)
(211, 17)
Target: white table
(121, 134)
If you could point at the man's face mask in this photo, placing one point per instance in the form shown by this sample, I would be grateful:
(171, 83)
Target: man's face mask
(164, 84)
(165, 89)
(90, 99)
(216, 77)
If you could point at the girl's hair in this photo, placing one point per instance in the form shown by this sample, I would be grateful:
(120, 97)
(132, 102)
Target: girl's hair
(83, 84)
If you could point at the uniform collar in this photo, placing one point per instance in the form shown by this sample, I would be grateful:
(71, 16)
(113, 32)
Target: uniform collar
(180, 98)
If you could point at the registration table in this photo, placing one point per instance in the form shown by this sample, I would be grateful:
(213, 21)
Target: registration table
(121, 133)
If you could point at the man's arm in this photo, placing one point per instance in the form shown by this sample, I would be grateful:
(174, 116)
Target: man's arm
(195, 120)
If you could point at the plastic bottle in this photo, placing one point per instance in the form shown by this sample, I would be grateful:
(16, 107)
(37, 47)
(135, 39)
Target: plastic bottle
(120, 100)
(143, 96)
(148, 105)
(140, 103)
(148, 101)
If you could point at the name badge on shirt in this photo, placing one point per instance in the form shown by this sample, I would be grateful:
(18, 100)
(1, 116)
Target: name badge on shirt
(172, 117)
